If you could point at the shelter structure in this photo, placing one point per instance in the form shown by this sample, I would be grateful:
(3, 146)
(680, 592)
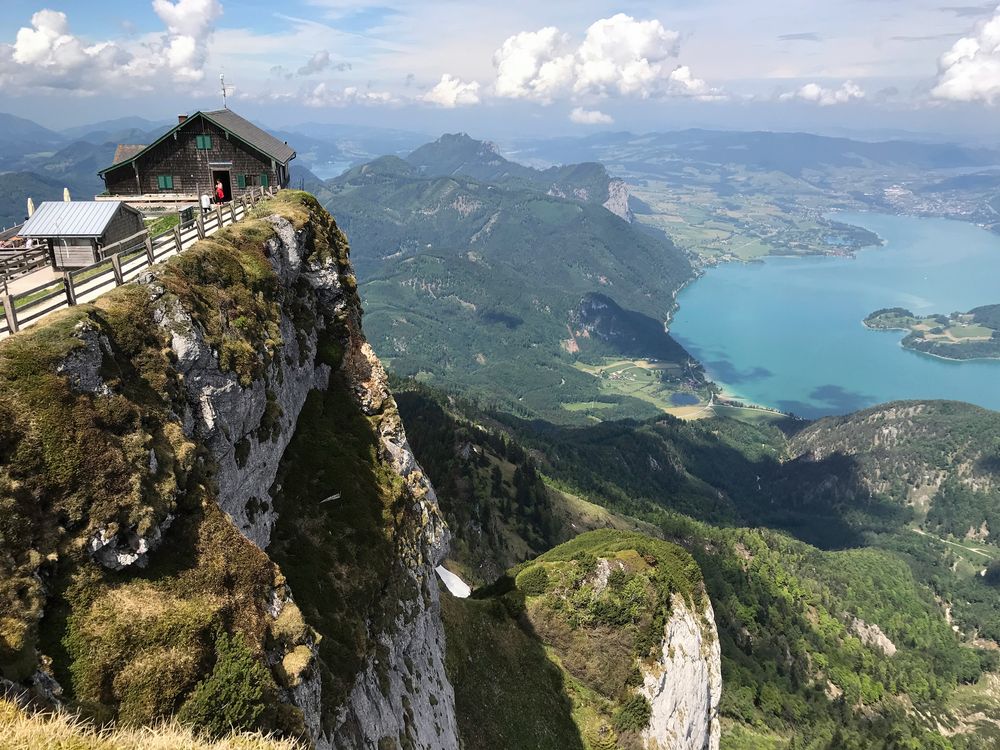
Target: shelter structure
(75, 232)
(187, 161)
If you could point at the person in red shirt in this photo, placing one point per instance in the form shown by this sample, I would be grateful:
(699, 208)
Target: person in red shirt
(220, 194)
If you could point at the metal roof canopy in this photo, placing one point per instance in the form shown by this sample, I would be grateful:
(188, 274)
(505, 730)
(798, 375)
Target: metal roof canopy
(71, 219)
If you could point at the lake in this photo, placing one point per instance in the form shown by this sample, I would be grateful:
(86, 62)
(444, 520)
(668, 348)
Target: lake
(788, 332)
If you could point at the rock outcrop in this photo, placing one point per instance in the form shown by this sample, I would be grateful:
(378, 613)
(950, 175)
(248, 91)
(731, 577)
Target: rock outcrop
(166, 412)
(685, 685)
(617, 202)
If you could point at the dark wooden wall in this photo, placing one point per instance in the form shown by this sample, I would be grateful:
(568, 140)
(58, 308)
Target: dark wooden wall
(125, 224)
(189, 166)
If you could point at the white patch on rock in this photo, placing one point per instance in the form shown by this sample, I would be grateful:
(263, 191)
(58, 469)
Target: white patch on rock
(871, 635)
(116, 550)
(685, 684)
(617, 202)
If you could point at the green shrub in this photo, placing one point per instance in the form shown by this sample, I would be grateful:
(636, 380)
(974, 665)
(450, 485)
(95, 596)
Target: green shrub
(236, 694)
(634, 714)
(533, 581)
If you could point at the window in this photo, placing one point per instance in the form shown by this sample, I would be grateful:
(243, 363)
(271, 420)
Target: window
(165, 182)
(203, 142)
(245, 180)
(264, 182)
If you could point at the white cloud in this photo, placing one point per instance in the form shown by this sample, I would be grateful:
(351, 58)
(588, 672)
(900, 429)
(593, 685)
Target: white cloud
(826, 97)
(625, 56)
(189, 25)
(590, 117)
(970, 70)
(618, 56)
(452, 92)
(317, 64)
(46, 55)
(534, 64)
(322, 95)
(53, 56)
(683, 83)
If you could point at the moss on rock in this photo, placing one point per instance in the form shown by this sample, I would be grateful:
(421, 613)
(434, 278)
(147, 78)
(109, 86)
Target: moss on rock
(106, 456)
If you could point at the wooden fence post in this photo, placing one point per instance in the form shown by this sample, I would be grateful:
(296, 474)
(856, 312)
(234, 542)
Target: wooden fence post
(177, 238)
(149, 251)
(116, 266)
(68, 287)
(218, 214)
(10, 313)
(201, 225)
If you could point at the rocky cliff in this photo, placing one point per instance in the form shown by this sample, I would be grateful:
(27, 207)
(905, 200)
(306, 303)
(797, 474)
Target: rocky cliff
(617, 202)
(611, 641)
(684, 685)
(209, 508)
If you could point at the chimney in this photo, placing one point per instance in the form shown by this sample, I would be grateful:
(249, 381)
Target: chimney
(181, 119)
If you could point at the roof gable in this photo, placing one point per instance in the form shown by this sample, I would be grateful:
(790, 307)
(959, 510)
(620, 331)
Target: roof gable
(244, 130)
(72, 218)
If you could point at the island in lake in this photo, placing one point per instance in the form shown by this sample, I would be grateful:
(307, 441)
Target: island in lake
(970, 335)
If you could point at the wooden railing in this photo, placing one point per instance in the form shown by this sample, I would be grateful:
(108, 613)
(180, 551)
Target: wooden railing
(119, 264)
(16, 265)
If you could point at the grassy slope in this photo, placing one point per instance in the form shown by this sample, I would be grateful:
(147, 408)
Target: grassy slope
(571, 650)
(500, 510)
(19, 729)
(139, 645)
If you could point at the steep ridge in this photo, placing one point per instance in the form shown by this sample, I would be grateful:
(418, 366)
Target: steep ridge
(611, 640)
(458, 154)
(154, 526)
(888, 641)
(941, 459)
(475, 283)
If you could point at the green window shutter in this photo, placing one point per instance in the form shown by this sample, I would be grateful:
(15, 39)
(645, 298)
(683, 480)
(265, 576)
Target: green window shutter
(241, 181)
(203, 142)
(165, 182)
(264, 181)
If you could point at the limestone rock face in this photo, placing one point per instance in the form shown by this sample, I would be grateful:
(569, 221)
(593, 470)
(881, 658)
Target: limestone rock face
(404, 692)
(247, 427)
(685, 685)
(617, 202)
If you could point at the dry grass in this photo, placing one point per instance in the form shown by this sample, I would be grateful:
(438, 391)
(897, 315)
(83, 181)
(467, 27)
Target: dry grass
(22, 731)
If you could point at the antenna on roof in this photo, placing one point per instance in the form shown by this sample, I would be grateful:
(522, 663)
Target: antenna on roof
(225, 90)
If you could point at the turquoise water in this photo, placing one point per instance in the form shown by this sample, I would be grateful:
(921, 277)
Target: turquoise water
(788, 332)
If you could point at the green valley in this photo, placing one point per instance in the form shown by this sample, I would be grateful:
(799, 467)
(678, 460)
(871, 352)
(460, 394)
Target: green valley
(884, 633)
(481, 285)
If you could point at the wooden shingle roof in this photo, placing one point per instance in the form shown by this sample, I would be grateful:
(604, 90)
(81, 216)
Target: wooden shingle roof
(240, 128)
(249, 133)
(125, 152)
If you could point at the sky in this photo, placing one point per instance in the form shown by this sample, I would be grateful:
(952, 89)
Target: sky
(513, 68)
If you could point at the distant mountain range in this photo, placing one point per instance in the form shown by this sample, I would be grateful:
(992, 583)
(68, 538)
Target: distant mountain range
(791, 153)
